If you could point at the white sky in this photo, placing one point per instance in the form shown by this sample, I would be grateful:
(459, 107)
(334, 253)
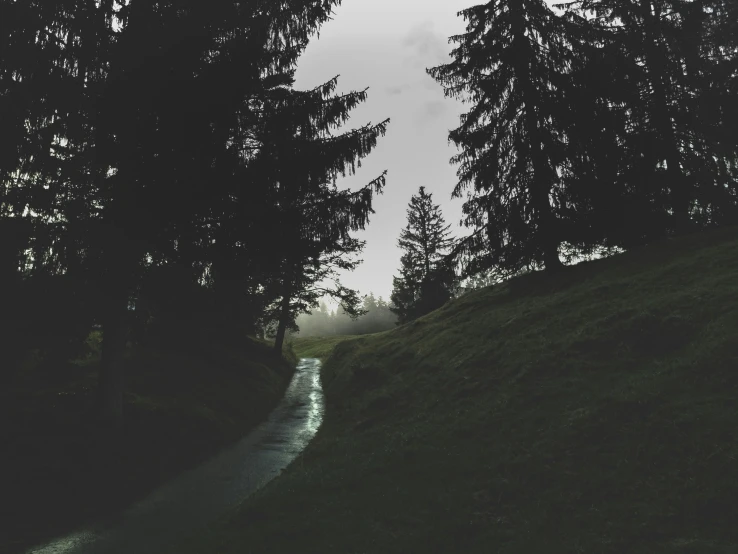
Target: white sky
(386, 45)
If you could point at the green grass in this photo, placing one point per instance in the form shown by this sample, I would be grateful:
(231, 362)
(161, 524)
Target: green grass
(316, 347)
(593, 412)
(59, 471)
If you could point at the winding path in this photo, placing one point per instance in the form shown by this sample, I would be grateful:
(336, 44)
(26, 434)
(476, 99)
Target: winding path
(201, 495)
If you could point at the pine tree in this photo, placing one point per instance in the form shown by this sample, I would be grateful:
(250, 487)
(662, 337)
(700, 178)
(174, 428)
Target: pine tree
(714, 36)
(132, 127)
(514, 64)
(677, 152)
(311, 218)
(426, 281)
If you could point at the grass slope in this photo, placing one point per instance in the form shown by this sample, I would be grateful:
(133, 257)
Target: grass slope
(59, 471)
(595, 412)
(316, 347)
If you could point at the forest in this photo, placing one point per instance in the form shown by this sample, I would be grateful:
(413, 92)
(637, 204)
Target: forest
(165, 186)
(151, 148)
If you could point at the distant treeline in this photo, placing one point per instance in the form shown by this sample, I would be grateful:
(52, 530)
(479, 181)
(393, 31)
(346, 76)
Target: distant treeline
(324, 321)
(153, 146)
(380, 315)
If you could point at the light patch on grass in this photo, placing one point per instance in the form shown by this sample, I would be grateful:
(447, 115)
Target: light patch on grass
(317, 347)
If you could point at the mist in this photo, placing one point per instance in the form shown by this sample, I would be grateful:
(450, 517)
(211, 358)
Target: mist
(325, 321)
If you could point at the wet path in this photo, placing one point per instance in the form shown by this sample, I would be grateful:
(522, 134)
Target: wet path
(199, 496)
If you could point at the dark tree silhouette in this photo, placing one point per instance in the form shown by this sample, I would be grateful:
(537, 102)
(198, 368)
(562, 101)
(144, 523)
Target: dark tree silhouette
(426, 281)
(310, 219)
(677, 152)
(514, 64)
(131, 124)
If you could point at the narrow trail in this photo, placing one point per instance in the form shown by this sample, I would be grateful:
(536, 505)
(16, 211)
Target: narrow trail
(201, 495)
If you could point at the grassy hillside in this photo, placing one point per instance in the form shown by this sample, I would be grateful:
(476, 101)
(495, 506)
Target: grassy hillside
(316, 347)
(595, 412)
(59, 469)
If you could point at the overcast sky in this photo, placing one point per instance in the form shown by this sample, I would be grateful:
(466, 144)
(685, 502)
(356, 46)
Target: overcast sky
(386, 45)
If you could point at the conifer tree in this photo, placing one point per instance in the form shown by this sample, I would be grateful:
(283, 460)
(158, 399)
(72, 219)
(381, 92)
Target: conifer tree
(311, 219)
(513, 64)
(677, 148)
(426, 282)
(131, 123)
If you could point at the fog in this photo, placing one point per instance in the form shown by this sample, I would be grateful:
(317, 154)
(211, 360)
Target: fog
(326, 321)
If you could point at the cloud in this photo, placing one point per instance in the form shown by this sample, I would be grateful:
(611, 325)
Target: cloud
(423, 83)
(435, 108)
(423, 47)
(427, 46)
(430, 111)
(397, 89)
(429, 83)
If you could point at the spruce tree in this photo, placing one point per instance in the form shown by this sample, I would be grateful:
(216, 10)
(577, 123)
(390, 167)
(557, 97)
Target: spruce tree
(132, 124)
(310, 219)
(514, 65)
(426, 281)
(678, 150)
(714, 44)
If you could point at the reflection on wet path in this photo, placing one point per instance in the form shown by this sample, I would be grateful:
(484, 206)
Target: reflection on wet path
(199, 496)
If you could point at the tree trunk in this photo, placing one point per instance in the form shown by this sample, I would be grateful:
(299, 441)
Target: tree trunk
(679, 186)
(284, 315)
(121, 258)
(111, 384)
(679, 197)
(551, 260)
(543, 176)
(548, 234)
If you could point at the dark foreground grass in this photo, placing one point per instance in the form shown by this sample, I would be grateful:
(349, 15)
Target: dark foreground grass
(316, 347)
(595, 412)
(59, 470)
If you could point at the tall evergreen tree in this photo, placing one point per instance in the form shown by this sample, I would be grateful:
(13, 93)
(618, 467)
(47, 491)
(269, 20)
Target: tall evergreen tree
(311, 218)
(132, 123)
(677, 152)
(514, 64)
(426, 281)
(712, 54)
